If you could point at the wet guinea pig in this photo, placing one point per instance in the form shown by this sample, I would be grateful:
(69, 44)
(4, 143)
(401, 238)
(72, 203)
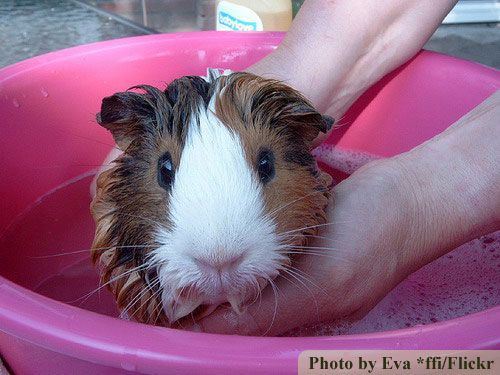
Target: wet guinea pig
(214, 191)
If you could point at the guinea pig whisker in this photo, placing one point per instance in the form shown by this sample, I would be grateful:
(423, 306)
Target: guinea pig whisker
(296, 277)
(134, 300)
(338, 122)
(144, 292)
(260, 302)
(135, 216)
(291, 241)
(255, 284)
(296, 200)
(86, 296)
(325, 250)
(299, 287)
(68, 165)
(318, 253)
(190, 290)
(312, 252)
(333, 249)
(92, 139)
(316, 226)
(326, 255)
(304, 276)
(85, 250)
(302, 287)
(275, 291)
(316, 236)
(182, 290)
(157, 310)
(307, 235)
(138, 297)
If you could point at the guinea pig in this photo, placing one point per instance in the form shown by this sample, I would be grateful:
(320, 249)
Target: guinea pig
(216, 183)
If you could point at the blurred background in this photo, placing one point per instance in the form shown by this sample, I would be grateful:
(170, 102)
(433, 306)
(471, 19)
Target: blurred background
(34, 27)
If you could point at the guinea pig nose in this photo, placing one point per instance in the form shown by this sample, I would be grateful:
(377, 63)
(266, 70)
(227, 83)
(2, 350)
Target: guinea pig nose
(219, 264)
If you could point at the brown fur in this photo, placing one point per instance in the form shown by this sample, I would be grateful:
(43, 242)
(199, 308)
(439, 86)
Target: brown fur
(265, 113)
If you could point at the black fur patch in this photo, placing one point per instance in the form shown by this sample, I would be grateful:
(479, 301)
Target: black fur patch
(302, 158)
(151, 112)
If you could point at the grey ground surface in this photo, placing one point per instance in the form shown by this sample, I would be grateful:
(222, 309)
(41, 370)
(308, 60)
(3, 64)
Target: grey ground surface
(34, 27)
(476, 42)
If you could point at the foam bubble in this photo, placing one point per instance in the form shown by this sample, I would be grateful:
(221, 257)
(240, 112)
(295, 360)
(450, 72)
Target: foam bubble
(343, 160)
(462, 282)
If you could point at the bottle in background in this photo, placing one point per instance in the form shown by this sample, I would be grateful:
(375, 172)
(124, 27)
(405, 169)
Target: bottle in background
(253, 15)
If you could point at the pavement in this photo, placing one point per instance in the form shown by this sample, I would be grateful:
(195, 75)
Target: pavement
(34, 27)
(475, 42)
(30, 28)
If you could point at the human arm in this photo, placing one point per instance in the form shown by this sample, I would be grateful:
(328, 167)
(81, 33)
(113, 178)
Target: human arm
(335, 50)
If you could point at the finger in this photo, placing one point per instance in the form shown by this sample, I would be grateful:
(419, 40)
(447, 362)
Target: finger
(282, 308)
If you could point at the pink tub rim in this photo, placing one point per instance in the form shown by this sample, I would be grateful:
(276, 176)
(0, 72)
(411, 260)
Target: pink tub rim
(101, 339)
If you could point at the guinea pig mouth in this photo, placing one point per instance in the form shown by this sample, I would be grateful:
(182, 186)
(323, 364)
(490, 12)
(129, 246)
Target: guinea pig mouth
(187, 301)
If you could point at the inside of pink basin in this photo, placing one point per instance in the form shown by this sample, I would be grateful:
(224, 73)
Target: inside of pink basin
(51, 146)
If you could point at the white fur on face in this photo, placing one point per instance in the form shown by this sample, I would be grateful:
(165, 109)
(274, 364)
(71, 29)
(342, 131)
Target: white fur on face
(217, 212)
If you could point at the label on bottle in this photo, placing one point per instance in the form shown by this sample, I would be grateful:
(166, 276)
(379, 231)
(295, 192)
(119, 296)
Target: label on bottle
(233, 17)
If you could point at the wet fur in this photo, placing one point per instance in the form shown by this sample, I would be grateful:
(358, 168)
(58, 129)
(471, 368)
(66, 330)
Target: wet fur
(128, 204)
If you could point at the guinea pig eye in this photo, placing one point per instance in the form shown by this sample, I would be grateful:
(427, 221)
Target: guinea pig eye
(265, 166)
(165, 171)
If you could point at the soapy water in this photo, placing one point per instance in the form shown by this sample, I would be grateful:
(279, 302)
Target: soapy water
(465, 281)
(462, 282)
(343, 160)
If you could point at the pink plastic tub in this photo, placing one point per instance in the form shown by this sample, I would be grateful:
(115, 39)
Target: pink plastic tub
(50, 144)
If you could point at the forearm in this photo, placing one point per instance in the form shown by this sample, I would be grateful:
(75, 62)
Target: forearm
(454, 179)
(335, 50)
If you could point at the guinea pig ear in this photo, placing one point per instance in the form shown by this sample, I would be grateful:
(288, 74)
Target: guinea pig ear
(308, 122)
(124, 114)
